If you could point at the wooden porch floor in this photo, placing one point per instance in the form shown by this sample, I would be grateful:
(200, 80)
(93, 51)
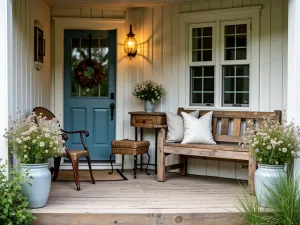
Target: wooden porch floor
(179, 200)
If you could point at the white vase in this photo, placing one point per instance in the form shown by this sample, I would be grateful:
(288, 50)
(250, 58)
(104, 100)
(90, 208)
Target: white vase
(39, 190)
(149, 106)
(267, 175)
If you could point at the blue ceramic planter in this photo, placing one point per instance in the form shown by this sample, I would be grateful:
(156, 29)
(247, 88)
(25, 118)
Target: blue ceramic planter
(38, 192)
(264, 176)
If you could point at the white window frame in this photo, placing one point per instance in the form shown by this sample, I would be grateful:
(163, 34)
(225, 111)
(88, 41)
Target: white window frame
(235, 62)
(218, 17)
(201, 63)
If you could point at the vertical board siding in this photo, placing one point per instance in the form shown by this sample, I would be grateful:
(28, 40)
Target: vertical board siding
(86, 12)
(31, 87)
(159, 56)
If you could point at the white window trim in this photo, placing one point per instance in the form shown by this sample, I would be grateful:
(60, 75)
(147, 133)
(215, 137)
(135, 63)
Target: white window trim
(217, 16)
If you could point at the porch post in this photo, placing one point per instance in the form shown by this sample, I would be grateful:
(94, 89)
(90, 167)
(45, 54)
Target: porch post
(293, 95)
(5, 18)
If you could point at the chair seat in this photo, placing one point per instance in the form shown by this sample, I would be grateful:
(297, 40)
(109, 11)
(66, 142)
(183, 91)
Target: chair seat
(76, 154)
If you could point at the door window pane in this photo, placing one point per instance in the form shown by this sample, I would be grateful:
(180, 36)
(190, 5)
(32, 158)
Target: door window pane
(99, 52)
(236, 85)
(202, 85)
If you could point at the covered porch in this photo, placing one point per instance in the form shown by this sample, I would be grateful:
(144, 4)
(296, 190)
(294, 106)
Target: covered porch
(208, 194)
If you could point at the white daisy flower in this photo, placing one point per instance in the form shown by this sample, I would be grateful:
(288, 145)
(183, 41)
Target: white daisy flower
(42, 144)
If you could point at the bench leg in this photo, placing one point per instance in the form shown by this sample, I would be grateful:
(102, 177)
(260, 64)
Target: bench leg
(183, 168)
(161, 170)
(251, 171)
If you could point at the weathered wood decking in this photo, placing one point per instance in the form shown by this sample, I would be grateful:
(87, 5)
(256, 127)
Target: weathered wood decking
(180, 200)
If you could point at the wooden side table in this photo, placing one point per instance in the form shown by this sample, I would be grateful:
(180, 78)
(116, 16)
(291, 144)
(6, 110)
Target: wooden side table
(152, 120)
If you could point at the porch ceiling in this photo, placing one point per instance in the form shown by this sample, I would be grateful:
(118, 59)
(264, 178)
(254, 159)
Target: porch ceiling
(113, 3)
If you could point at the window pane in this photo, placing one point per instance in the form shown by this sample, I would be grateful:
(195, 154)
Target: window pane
(197, 43)
(229, 84)
(202, 85)
(229, 41)
(208, 98)
(85, 43)
(242, 98)
(236, 88)
(242, 84)
(75, 43)
(242, 70)
(241, 29)
(209, 84)
(230, 54)
(197, 98)
(196, 71)
(207, 55)
(241, 41)
(196, 56)
(228, 71)
(197, 84)
(209, 71)
(104, 43)
(207, 43)
(235, 45)
(229, 29)
(207, 31)
(197, 32)
(241, 53)
(228, 98)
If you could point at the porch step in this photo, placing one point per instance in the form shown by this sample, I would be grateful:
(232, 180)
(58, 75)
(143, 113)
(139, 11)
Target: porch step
(139, 219)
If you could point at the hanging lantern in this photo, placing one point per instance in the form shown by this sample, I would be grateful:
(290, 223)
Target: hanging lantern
(130, 45)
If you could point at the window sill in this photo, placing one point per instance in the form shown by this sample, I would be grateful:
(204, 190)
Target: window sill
(212, 108)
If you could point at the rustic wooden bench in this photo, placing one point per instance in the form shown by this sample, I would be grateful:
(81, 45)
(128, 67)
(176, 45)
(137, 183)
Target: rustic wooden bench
(228, 127)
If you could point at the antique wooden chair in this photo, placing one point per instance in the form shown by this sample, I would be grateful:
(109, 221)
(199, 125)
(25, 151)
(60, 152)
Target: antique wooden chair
(72, 155)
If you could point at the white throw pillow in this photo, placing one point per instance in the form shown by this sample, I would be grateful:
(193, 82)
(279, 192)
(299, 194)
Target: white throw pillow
(197, 131)
(175, 126)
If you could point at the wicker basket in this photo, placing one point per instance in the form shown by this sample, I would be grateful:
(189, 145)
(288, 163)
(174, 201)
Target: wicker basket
(130, 147)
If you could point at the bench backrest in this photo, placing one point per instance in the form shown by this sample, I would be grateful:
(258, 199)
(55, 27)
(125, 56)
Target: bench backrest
(230, 126)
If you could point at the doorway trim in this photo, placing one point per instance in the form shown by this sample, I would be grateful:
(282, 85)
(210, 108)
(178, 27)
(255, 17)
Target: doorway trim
(59, 25)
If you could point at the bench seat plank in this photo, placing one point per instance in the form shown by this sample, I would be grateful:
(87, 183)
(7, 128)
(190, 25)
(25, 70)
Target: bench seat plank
(207, 152)
(223, 147)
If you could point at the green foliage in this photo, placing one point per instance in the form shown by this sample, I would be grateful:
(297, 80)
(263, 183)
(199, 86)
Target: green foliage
(34, 139)
(148, 91)
(283, 201)
(272, 143)
(13, 204)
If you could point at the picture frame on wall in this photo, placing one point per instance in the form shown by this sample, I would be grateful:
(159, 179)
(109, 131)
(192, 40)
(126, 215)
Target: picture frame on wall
(39, 45)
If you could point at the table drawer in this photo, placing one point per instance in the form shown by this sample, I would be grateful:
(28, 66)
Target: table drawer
(143, 121)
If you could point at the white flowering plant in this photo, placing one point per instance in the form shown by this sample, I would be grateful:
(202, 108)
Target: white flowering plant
(148, 91)
(272, 142)
(34, 139)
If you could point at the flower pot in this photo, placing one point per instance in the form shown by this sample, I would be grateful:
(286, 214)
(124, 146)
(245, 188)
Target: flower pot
(267, 175)
(38, 192)
(149, 106)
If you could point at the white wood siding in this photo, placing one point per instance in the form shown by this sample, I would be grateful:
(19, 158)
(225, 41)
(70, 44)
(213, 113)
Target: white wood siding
(31, 88)
(157, 30)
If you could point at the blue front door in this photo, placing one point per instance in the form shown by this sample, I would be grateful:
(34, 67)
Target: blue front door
(90, 108)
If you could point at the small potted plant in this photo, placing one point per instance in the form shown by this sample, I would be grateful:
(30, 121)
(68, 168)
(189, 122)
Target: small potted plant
(34, 140)
(273, 145)
(149, 92)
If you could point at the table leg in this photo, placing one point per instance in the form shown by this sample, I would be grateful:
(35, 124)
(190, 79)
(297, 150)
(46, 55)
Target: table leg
(136, 133)
(156, 150)
(142, 134)
(135, 166)
(122, 163)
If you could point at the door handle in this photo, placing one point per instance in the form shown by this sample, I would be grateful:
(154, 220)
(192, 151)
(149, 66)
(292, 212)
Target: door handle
(112, 108)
